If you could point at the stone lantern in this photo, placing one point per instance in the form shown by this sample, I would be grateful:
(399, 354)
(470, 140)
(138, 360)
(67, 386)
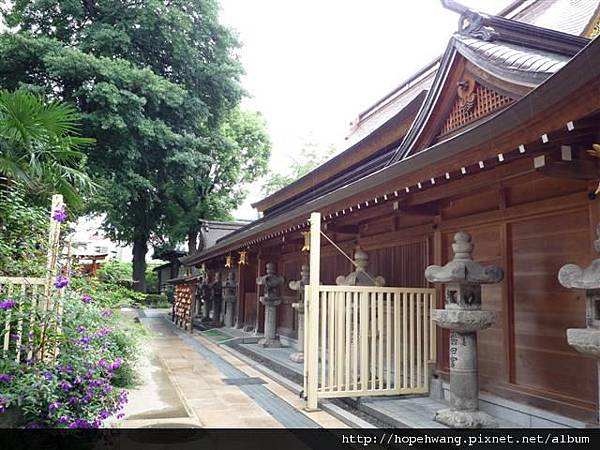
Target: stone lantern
(298, 286)
(586, 340)
(360, 276)
(217, 298)
(205, 295)
(463, 316)
(230, 298)
(271, 299)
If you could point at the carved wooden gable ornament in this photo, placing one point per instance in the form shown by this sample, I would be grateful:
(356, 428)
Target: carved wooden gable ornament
(473, 101)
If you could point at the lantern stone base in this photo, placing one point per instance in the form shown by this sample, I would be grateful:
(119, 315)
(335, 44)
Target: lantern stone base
(585, 340)
(465, 419)
(270, 342)
(297, 357)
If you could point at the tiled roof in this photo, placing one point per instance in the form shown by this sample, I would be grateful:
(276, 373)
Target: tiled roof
(372, 119)
(510, 62)
(567, 16)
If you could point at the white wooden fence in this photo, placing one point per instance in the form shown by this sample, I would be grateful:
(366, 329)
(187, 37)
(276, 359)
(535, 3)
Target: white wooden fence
(365, 340)
(38, 309)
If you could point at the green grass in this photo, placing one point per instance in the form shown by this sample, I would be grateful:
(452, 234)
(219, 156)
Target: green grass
(216, 335)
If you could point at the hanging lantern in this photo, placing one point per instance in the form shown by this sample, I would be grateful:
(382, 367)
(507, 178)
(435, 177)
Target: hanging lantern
(306, 246)
(228, 260)
(243, 258)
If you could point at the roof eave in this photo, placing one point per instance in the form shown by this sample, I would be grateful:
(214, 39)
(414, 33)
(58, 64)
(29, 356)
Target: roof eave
(557, 87)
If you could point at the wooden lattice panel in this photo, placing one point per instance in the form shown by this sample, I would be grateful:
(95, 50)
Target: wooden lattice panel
(486, 101)
(183, 304)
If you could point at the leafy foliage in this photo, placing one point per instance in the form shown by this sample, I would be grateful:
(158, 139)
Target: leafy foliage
(157, 84)
(40, 146)
(310, 158)
(211, 190)
(23, 233)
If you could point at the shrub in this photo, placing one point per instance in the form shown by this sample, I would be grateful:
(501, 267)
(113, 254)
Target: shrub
(23, 233)
(107, 291)
(82, 388)
(151, 279)
(115, 272)
(156, 301)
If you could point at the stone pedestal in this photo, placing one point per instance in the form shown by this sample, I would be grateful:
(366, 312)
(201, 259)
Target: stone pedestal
(298, 286)
(360, 276)
(230, 298)
(272, 298)
(463, 317)
(205, 295)
(217, 299)
(586, 340)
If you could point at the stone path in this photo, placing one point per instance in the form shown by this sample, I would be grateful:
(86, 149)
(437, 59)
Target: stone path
(189, 381)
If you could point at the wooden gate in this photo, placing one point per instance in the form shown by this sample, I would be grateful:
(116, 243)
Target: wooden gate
(365, 340)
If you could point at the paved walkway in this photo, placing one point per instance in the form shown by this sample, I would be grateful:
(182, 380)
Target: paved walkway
(188, 381)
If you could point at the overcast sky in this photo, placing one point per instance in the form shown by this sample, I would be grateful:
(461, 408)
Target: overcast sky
(313, 65)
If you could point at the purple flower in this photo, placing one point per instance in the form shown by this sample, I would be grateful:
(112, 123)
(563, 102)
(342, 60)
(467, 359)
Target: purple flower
(61, 281)
(64, 419)
(5, 378)
(81, 329)
(104, 414)
(48, 376)
(104, 364)
(59, 215)
(120, 415)
(116, 364)
(80, 423)
(122, 397)
(86, 299)
(65, 385)
(14, 337)
(72, 401)
(78, 380)
(7, 304)
(85, 340)
(106, 313)
(3, 404)
(53, 407)
(68, 368)
(104, 331)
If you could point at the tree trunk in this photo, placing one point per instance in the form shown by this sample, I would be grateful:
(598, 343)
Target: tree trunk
(140, 248)
(195, 241)
(192, 242)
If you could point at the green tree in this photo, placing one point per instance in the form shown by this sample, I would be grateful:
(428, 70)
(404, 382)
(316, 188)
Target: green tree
(40, 146)
(210, 188)
(309, 158)
(155, 82)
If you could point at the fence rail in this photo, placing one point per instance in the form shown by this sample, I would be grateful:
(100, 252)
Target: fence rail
(366, 341)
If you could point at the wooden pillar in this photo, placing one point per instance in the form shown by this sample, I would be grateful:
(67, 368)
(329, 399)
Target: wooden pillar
(260, 309)
(241, 294)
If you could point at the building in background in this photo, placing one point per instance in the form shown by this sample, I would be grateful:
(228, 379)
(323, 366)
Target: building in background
(211, 232)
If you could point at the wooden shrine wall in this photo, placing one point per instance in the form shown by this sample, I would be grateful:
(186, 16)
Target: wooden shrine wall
(542, 225)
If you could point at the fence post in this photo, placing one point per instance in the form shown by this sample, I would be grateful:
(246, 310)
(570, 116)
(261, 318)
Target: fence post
(51, 269)
(312, 308)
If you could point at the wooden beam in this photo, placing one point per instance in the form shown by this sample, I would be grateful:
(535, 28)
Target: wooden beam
(562, 165)
(429, 210)
(342, 229)
(574, 170)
